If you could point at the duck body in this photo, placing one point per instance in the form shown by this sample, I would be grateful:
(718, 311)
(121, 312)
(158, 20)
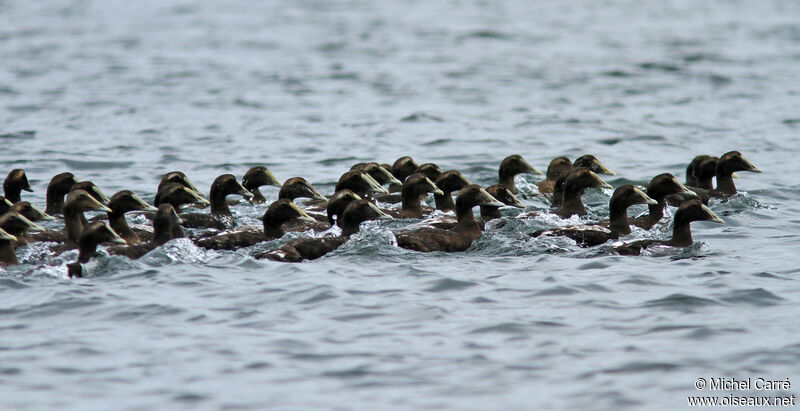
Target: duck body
(510, 167)
(58, 187)
(166, 227)
(415, 188)
(689, 211)
(278, 213)
(220, 216)
(659, 188)
(575, 183)
(459, 238)
(16, 181)
(256, 177)
(94, 234)
(356, 212)
(618, 225)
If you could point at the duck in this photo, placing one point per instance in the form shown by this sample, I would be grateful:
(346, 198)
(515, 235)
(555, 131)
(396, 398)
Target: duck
(701, 170)
(336, 205)
(402, 168)
(587, 161)
(377, 172)
(618, 225)
(16, 223)
(459, 238)
(556, 167)
(166, 227)
(220, 216)
(176, 195)
(502, 194)
(689, 211)
(278, 213)
(15, 182)
(415, 188)
(448, 182)
(94, 234)
(301, 249)
(78, 202)
(510, 167)
(430, 170)
(58, 187)
(360, 183)
(92, 189)
(256, 177)
(180, 178)
(726, 166)
(123, 202)
(576, 182)
(7, 255)
(30, 211)
(487, 212)
(658, 189)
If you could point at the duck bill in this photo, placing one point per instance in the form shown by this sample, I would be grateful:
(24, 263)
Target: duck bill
(27, 187)
(41, 215)
(271, 179)
(315, 194)
(389, 176)
(301, 214)
(240, 190)
(644, 197)
(381, 215)
(683, 188)
(515, 202)
(599, 183)
(711, 216)
(99, 195)
(30, 225)
(188, 183)
(750, 166)
(531, 169)
(487, 199)
(6, 236)
(96, 205)
(373, 185)
(142, 205)
(433, 188)
(603, 169)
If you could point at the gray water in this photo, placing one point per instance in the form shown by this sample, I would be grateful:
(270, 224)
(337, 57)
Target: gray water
(121, 92)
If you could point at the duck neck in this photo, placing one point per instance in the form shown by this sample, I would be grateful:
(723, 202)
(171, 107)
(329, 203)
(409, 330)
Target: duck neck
(258, 198)
(164, 231)
(572, 204)
(681, 232)
(73, 223)
(619, 219)
(705, 183)
(490, 213)
(120, 226)
(55, 201)
(86, 249)
(725, 183)
(467, 224)
(412, 203)
(218, 204)
(444, 202)
(507, 180)
(13, 195)
(272, 231)
(656, 211)
(349, 229)
(7, 255)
